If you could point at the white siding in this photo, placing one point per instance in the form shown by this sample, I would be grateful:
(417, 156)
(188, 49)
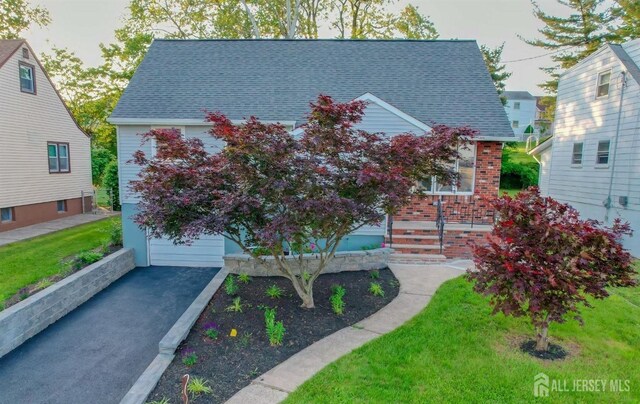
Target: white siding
(129, 141)
(526, 115)
(205, 252)
(378, 119)
(27, 123)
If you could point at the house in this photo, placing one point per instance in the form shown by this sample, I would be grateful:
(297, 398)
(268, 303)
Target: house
(521, 108)
(408, 85)
(593, 159)
(45, 158)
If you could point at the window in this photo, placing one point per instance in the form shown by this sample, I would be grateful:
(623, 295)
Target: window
(516, 105)
(465, 169)
(27, 79)
(58, 157)
(603, 84)
(25, 53)
(515, 124)
(602, 157)
(6, 215)
(62, 206)
(576, 157)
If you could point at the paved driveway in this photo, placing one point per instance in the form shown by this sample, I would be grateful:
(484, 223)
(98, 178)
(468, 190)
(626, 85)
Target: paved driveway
(95, 353)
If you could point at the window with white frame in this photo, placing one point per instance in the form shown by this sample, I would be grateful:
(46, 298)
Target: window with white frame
(27, 78)
(602, 156)
(516, 105)
(465, 167)
(58, 157)
(576, 156)
(6, 215)
(515, 124)
(604, 79)
(62, 206)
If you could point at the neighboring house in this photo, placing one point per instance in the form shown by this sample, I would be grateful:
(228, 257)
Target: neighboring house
(522, 111)
(45, 159)
(593, 159)
(409, 85)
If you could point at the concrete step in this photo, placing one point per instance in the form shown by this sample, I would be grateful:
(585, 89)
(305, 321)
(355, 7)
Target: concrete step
(400, 258)
(415, 240)
(416, 236)
(397, 246)
(420, 227)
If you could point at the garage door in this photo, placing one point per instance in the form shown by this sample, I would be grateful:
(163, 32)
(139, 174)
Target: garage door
(205, 252)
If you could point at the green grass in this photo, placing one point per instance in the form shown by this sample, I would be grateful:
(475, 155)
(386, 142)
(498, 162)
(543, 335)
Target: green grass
(26, 262)
(455, 351)
(519, 154)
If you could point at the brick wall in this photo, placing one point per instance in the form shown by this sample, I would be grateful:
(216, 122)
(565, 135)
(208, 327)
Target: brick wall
(463, 208)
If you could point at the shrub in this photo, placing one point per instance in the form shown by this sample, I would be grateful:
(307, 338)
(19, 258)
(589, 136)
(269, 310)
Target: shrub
(274, 291)
(198, 385)
(100, 158)
(115, 233)
(211, 330)
(542, 261)
(230, 285)
(244, 278)
(275, 329)
(85, 258)
(336, 299)
(236, 305)
(374, 274)
(189, 357)
(110, 181)
(376, 289)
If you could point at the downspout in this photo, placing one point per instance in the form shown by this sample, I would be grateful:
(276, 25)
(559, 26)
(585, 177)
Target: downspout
(607, 202)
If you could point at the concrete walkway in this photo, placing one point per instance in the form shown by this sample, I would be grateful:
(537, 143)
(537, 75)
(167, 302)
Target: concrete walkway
(97, 352)
(417, 284)
(35, 230)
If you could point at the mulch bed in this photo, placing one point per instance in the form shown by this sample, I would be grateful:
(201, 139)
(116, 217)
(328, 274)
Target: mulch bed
(231, 363)
(555, 352)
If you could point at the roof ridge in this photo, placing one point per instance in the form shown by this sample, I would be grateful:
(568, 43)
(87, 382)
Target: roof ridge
(307, 40)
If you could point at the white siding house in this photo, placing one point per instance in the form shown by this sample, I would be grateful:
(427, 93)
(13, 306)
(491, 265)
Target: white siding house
(521, 110)
(593, 159)
(45, 161)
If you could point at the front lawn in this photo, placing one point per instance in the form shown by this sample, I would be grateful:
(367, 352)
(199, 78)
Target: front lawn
(455, 351)
(26, 262)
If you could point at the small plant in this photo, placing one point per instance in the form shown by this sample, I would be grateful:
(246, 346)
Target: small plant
(261, 251)
(245, 339)
(394, 283)
(236, 305)
(211, 330)
(244, 278)
(274, 292)
(189, 357)
(337, 303)
(44, 283)
(374, 274)
(376, 289)
(115, 233)
(275, 330)
(163, 400)
(230, 285)
(370, 247)
(85, 258)
(198, 385)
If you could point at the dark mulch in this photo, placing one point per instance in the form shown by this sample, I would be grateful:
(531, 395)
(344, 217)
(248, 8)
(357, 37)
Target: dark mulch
(70, 265)
(229, 364)
(555, 352)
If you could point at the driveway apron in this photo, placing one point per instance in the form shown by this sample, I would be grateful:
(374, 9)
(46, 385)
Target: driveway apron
(95, 353)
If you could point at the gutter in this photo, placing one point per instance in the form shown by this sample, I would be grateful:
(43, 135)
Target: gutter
(607, 203)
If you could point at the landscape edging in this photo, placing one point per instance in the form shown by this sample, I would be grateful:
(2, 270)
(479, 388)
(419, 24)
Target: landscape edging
(139, 392)
(32, 315)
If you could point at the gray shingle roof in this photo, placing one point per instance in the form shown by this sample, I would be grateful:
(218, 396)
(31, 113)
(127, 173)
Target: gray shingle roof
(7, 48)
(627, 61)
(433, 81)
(518, 95)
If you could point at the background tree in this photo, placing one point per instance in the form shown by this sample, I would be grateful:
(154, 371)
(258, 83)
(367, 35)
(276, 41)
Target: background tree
(110, 181)
(542, 261)
(411, 24)
(17, 16)
(497, 70)
(574, 37)
(271, 189)
(100, 158)
(628, 14)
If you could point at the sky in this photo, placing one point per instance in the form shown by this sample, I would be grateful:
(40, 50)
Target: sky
(81, 25)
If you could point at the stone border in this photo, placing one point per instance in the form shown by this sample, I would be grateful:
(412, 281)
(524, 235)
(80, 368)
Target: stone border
(342, 261)
(148, 380)
(32, 315)
(417, 284)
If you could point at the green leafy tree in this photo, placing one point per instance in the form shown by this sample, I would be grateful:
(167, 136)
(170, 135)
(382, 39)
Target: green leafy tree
(574, 37)
(413, 25)
(110, 181)
(17, 16)
(628, 14)
(100, 158)
(497, 70)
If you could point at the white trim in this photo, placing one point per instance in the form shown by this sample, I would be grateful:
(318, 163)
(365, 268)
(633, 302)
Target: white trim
(600, 74)
(182, 122)
(542, 147)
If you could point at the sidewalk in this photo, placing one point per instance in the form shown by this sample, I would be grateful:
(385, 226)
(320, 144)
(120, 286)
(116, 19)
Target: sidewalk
(35, 230)
(417, 284)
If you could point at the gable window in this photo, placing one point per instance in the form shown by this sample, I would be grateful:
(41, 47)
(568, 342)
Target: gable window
(602, 157)
(27, 78)
(576, 156)
(6, 215)
(25, 53)
(515, 124)
(604, 79)
(62, 206)
(516, 105)
(58, 157)
(465, 167)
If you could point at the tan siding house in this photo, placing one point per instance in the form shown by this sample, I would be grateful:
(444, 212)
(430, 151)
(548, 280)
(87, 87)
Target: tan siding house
(45, 160)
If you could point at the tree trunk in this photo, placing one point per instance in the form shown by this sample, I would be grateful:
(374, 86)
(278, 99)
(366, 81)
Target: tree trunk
(542, 340)
(305, 293)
